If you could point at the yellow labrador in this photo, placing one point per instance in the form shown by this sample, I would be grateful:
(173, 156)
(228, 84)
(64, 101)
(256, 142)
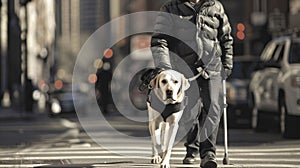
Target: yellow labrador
(165, 107)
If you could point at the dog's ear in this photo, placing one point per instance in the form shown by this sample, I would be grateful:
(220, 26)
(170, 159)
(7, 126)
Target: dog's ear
(154, 83)
(185, 84)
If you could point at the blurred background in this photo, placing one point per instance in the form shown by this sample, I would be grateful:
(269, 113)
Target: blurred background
(39, 44)
(40, 40)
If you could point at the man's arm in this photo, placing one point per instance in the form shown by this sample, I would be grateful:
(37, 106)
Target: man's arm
(226, 40)
(160, 41)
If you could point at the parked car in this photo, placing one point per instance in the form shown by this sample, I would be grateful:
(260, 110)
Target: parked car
(275, 87)
(61, 100)
(239, 111)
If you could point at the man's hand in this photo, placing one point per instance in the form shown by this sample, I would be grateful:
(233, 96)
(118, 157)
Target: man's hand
(147, 76)
(226, 73)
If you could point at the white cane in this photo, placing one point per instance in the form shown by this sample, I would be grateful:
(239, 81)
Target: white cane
(226, 159)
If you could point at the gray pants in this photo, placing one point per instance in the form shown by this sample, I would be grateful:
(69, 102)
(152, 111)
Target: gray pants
(203, 134)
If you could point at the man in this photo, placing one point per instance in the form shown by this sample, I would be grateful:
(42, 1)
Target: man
(205, 47)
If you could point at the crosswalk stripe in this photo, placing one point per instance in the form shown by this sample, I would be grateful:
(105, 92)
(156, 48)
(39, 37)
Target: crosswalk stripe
(141, 148)
(269, 166)
(263, 157)
(272, 160)
(64, 152)
(21, 165)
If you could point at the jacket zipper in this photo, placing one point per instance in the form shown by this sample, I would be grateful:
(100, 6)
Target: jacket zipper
(199, 25)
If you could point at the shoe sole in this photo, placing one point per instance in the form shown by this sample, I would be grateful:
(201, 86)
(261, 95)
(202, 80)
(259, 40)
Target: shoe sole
(210, 164)
(188, 161)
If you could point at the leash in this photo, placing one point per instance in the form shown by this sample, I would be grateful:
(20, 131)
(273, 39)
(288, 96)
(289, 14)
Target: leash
(202, 70)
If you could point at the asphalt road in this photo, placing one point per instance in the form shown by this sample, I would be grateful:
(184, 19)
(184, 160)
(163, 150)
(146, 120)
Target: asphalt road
(62, 142)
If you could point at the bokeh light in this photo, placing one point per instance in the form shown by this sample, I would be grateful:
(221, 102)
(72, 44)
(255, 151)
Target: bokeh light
(108, 53)
(58, 84)
(92, 78)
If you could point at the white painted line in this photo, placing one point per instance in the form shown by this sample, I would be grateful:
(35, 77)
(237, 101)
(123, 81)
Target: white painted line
(69, 157)
(250, 154)
(244, 165)
(22, 165)
(219, 149)
(45, 153)
(261, 166)
(148, 151)
(271, 160)
(290, 149)
(172, 165)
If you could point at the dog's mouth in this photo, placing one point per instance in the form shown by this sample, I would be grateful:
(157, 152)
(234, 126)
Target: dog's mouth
(169, 98)
(169, 95)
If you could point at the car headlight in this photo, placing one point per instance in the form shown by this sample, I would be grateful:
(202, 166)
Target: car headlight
(36, 95)
(55, 107)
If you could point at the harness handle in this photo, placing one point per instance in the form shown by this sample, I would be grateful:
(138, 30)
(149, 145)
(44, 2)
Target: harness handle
(147, 76)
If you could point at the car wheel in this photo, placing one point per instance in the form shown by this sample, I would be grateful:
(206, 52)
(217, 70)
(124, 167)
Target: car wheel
(287, 122)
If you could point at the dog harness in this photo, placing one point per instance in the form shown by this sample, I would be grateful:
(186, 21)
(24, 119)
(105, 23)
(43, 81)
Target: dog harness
(165, 110)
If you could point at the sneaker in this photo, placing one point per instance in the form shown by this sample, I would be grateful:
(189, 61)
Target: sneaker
(209, 161)
(189, 159)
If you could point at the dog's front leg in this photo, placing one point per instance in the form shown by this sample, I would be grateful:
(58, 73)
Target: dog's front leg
(154, 129)
(170, 137)
(155, 121)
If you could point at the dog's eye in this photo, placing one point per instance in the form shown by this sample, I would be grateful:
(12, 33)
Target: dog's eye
(164, 81)
(176, 81)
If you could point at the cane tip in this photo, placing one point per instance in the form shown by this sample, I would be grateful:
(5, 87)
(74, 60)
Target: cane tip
(226, 160)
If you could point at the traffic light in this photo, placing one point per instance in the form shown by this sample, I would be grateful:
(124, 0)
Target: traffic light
(241, 31)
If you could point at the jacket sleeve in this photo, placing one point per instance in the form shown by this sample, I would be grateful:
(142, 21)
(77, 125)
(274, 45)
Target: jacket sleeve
(160, 42)
(226, 40)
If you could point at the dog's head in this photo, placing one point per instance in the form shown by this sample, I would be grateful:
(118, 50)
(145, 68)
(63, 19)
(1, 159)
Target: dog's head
(170, 86)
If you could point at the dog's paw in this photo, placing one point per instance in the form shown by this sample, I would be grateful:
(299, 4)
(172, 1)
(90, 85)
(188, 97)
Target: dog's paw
(156, 159)
(165, 165)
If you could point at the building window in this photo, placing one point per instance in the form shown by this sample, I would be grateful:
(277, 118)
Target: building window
(260, 6)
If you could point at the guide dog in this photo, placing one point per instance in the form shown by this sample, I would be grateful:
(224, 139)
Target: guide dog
(166, 102)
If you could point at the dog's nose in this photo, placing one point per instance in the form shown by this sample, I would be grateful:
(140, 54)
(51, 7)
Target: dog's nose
(169, 92)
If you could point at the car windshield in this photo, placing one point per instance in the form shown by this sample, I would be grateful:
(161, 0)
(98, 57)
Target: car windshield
(294, 57)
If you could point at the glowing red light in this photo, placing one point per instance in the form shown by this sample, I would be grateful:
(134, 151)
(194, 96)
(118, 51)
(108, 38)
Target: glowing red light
(58, 84)
(108, 53)
(241, 27)
(240, 35)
